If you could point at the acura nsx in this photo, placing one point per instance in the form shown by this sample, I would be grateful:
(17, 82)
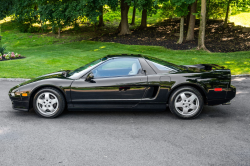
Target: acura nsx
(136, 82)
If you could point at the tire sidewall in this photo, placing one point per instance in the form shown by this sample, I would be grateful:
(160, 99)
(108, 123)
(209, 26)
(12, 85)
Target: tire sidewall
(60, 101)
(176, 93)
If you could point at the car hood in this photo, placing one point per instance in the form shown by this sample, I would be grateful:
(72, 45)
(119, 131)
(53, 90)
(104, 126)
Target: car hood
(59, 74)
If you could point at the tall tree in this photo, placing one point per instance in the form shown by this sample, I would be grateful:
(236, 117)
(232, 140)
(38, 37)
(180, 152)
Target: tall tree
(201, 39)
(124, 26)
(188, 15)
(191, 25)
(181, 31)
(92, 9)
(133, 16)
(181, 10)
(226, 18)
(60, 12)
(25, 13)
(101, 23)
(148, 7)
(144, 19)
(208, 7)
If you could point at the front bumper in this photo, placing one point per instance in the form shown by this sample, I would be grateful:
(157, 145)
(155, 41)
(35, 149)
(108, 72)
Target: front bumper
(20, 103)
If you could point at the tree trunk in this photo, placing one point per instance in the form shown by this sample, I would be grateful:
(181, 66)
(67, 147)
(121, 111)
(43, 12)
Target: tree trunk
(188, 16)
(41, 25)
(190, 33)
(101, 23)
(226, 19)
(133, 16)
(208, 7)
(119, 27)
(124, 19)
(144, 19)
(201, 39)
(181, 30)
(35, 9)
(59, 32)
(0, 38)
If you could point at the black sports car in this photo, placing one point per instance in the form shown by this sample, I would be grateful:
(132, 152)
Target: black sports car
(127, 82)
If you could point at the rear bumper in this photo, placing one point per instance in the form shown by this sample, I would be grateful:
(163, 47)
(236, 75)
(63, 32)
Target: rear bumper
(231, 93)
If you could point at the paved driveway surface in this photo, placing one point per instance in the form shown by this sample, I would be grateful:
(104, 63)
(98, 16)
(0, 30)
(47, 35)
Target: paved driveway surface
(219, 136)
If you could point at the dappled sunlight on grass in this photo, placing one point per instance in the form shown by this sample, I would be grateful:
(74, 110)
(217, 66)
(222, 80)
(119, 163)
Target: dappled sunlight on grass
(242, 19)
(6, 19)
(14, 39)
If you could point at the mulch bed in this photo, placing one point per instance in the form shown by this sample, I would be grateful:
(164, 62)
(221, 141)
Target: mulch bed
(165, 34)
(12, 59)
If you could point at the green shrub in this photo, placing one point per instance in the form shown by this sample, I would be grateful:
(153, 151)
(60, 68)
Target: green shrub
(23, 27)
(2, 49)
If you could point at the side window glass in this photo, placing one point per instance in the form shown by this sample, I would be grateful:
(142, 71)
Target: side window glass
(161, 67)
(118, 67)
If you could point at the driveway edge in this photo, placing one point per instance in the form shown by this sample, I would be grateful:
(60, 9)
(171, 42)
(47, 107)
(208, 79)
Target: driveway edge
(13, 79)
(242, 75)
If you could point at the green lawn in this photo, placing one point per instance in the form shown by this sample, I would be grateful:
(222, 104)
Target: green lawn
(46, 58)
(46, 54)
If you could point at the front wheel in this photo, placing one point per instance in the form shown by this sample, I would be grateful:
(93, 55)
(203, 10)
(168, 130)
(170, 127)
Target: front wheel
(186, 102)
(49, 103)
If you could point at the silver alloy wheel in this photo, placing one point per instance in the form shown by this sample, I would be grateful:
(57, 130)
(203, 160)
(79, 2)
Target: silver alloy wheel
(47, 103)
(186, 103)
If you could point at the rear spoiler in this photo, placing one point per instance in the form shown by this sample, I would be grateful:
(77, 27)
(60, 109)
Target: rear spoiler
(205, 67)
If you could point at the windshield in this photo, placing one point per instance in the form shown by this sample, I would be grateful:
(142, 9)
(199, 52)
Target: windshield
(88, 66)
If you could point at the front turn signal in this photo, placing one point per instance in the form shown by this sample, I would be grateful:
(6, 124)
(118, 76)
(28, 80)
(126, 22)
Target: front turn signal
(25, 94)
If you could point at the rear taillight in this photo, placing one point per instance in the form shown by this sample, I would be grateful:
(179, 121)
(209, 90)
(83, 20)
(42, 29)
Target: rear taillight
(217, 89)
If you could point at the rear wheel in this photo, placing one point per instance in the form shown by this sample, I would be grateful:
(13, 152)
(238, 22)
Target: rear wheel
(49, 103)
(186, 102)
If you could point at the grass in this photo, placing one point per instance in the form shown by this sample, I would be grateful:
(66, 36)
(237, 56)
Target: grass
(54, 57)
(44, 53)
(242, 19)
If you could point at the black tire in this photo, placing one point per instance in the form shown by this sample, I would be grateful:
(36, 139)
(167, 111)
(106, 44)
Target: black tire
(57, 107)
(176, 99)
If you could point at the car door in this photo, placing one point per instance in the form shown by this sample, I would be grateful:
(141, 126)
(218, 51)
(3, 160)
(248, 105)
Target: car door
(117, 83)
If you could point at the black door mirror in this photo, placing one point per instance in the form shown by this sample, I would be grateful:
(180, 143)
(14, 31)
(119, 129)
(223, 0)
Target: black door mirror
(90, 77)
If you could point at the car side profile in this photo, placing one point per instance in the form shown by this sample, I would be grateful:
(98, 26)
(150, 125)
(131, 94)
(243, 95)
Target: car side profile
(127, 82)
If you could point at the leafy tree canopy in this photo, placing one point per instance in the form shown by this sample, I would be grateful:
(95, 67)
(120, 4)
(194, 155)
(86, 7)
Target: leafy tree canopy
(181, 6)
